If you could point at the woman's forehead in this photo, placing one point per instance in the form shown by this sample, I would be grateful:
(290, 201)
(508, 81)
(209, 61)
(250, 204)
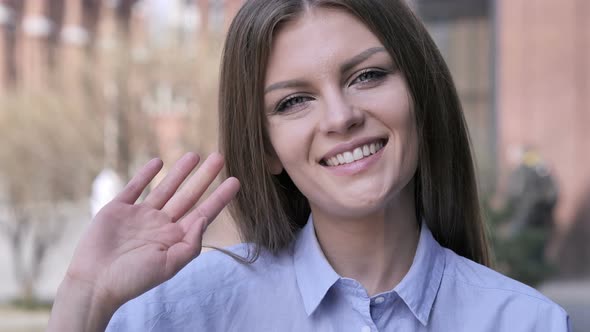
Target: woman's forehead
(319, 37)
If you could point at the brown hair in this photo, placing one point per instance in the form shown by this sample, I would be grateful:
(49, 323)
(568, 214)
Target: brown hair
(269, 209)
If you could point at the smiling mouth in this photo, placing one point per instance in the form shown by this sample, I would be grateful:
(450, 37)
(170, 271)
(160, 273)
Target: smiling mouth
(358, 153)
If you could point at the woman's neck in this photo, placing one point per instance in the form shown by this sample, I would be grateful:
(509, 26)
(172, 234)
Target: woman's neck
(375, 250)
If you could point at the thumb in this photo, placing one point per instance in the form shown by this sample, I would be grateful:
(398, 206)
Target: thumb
(181, 253)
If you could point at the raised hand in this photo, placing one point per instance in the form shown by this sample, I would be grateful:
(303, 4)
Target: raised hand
(131, 247)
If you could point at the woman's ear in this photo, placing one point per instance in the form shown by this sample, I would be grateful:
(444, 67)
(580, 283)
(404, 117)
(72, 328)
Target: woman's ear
(272, 161)
(274, 164)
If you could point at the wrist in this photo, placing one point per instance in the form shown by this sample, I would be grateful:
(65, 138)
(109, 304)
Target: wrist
(81, 306)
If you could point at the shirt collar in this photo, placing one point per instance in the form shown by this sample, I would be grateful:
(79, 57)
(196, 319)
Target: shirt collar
(314, 274)
(418, 289)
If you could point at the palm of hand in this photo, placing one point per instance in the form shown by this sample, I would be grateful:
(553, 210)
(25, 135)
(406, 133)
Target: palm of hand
(130, 248)
(133, 248)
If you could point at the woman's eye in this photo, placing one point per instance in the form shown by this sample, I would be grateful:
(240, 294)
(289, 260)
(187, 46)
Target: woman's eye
(291, 102)
(369, 75)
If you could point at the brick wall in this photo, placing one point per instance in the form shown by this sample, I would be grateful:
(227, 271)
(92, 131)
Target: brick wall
(543, 89)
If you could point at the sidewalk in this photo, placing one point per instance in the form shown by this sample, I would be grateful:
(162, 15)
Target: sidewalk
(13, 320)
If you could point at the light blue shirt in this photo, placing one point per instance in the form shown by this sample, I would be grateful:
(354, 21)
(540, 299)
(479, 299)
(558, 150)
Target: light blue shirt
(298, 290)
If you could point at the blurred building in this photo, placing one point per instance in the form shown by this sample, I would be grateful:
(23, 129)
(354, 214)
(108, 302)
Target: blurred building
(522, 70)
(140, 68)
(463, 31)
(78, 47)
(543, 90)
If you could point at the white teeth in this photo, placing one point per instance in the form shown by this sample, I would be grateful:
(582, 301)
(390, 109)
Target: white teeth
(348, 157)
(358, 154)
(354, 155)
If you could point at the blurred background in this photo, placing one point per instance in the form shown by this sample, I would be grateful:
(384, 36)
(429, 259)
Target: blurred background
(92, 89)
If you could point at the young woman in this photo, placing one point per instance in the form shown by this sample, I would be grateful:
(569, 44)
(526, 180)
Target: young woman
(352, 184)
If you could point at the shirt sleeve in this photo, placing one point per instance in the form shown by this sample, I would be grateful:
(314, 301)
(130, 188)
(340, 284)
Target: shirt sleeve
(135, 317)
(553, 318)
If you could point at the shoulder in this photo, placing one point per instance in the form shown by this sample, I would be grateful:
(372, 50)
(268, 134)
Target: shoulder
(470, 274)
(211, 284)
(215, 271)
(491, 294)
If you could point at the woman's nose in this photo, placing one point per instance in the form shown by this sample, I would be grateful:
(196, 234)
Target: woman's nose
(339, 115)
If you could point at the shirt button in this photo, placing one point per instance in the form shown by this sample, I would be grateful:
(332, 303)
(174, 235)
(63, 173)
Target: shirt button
(379, 300)
(366, 329)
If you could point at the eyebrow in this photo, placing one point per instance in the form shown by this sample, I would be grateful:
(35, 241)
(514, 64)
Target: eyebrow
(348, 65)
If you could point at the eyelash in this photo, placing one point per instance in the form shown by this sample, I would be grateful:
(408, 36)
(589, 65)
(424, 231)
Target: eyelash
(286, 104)
(377, 75)
(362, 78)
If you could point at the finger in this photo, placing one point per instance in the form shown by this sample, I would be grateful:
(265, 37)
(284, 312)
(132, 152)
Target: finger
(194, 225)
(194, 188)
(166, 189)
(212, 206)
(137, 184)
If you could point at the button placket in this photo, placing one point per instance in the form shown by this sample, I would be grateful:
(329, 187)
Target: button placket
(379, 305)
(366, 328)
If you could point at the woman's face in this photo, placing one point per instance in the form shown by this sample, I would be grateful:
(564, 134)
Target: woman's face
(339, 115)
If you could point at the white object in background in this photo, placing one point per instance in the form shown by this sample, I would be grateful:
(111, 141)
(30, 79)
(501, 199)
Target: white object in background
(104, 188)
